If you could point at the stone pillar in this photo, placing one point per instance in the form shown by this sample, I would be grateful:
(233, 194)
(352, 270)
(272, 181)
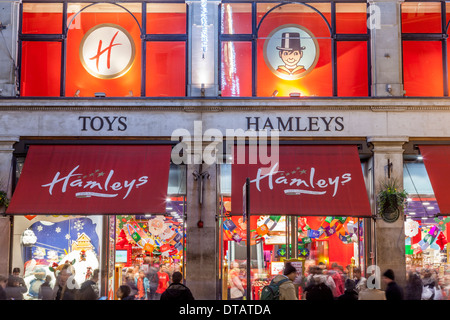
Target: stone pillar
(9, 17)
(385, 28)
(201, 273)
(390, 237)
(6, 152)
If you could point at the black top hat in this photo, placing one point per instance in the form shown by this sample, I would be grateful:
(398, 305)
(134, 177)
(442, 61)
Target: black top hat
(290, 41)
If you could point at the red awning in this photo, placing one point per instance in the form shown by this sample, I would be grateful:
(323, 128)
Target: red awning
(437, 162)
(305, 180)
(93, 179)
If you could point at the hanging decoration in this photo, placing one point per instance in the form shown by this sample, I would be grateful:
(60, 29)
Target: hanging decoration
(442, 223)
(441, 240)
(411, 228)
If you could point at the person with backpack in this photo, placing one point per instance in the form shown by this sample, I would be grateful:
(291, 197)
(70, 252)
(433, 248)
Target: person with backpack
(281, 287)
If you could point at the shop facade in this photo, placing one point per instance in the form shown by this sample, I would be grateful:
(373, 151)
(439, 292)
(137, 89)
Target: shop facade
(207, 74)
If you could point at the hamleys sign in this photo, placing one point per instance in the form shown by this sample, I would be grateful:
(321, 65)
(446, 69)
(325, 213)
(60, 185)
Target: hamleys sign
(107, 51)
(93, 179)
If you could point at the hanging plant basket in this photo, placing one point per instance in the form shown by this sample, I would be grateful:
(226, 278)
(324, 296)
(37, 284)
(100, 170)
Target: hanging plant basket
(391, 201)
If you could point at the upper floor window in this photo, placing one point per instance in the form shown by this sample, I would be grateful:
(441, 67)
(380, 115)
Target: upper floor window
(425, 50)
(295, 48)
(118, 49)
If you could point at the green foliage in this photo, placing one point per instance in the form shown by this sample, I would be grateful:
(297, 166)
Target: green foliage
(391, 197)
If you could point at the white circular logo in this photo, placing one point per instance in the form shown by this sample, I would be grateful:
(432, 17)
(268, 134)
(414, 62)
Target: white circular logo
(107, 51)
(291, 51)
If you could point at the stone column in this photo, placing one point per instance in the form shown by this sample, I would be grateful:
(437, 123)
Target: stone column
(6, 152)
(201, 273)
(390, 237)
(385, 28)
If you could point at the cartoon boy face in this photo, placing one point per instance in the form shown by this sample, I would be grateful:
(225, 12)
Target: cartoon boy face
(291, 58)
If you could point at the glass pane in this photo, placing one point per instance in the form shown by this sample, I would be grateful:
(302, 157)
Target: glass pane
(40, 69)
(317, 250)
(236, 69)
(152, 247)
(351, 18)
(177, 179)
(104, 51)
(421, 17)
(316, 17)
(352, 69)
(236, 18)
(166, 18)
(48, 242)
(42, 18)
(166, 64)
(422, 68)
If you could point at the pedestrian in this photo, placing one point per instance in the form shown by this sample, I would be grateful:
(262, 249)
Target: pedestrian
(45, 290)
(350, 292)
(393, 290)
(338, 279)
(360, 281)
(177, 290)
(13, 289)
(428, 286)
(130, 281)
(123, 293)
(16, 273)
(287, 288)
(319, 288)
(413, 289)
(163, 284)
(235, 284)
(89, 289)
(152, 276)
(3, 282)
(142, 285)
(65, 289)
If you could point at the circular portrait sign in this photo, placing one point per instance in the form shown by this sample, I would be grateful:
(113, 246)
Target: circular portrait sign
(291, 51)
(107, 51)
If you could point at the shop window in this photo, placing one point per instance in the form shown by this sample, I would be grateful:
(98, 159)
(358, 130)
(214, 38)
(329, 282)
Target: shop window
(313, 68)
(421, 250)
(304, 241)
(44, 244)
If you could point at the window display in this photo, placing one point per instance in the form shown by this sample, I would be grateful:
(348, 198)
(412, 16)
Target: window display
(335, 244)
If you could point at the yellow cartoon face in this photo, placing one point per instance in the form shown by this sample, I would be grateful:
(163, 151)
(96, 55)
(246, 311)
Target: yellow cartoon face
(291, 58)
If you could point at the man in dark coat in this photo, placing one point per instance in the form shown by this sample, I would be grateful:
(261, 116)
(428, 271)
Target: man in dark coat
(177, 290)
(350, 292)
(393, 290)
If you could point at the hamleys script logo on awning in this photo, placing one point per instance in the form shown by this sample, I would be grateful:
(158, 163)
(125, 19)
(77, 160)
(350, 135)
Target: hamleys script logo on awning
(300, 181)
(107, 51)
(94, 184)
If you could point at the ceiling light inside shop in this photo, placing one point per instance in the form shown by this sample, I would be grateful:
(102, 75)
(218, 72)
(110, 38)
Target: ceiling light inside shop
(430, 208)
(419, 158)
